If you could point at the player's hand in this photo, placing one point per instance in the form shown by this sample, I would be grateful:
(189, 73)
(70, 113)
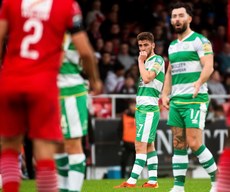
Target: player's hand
(196, 86)
(96, 87)
(165, 102)
(142, 56)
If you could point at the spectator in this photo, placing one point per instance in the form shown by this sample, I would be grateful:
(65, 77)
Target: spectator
(114, 79)
(223, 59)
(95, 14)
(124, 57)
(109, 47)
(94, 33)
(227, 84)
(99, 48)
(133, 48)
(216, 87)
(219, 38)
(111, 18)
(105, 65)
(128, 87)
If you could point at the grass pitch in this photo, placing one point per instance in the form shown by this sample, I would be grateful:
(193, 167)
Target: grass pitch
(106, 185)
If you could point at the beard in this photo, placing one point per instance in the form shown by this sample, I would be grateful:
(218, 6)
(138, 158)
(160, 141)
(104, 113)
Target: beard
(180, 30)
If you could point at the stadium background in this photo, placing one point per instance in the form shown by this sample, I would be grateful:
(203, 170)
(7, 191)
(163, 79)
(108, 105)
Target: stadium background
(112, 27)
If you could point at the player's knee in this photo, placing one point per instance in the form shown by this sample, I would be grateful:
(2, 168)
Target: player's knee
(194, 143)
(179, 144)
(140, 147)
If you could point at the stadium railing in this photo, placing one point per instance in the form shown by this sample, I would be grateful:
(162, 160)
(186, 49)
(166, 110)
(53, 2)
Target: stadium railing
(114, 97)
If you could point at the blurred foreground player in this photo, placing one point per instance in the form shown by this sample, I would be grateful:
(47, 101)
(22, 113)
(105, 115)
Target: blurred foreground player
(70, 158)
(28, 78)
(223, 176)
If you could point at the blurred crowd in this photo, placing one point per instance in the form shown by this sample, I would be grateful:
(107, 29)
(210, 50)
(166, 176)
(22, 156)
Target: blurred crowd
(112, 27)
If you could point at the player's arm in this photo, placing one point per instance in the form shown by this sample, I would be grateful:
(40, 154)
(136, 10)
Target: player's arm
(207, 64)
(167, 87)
(3, 31)
(85, 50)
(205, 52)
(87, 56)
(146, 75)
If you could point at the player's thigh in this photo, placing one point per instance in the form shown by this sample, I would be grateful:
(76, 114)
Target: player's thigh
(195, 116)
(74, 116)
(12, 114)
(146, 125)
(175, 118)
(44, 111)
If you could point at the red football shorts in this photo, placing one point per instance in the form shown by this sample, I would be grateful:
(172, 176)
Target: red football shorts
(35, 112)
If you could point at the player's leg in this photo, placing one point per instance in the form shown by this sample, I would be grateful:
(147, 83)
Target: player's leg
(195, 122)
(179, 159)
(152, 160)
(76, 159)
(139, 163)
(74, 126)
(12, 116)
(205, 157)
(9, 163)
(62, 165)
(180, 156)
(45, 165)
(45, 132)
(144, 123)
(0, 166)
(223, 176)
(152, 163)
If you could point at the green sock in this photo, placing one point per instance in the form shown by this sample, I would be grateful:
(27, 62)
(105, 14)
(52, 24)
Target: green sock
(180, 166)
(76, 172)
(62, 162)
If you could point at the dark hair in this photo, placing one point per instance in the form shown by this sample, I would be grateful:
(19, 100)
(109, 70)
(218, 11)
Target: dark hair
(145, 36)
(179, 4)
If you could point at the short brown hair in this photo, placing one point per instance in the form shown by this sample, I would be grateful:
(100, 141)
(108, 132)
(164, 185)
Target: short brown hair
(145, 36)
(179, 4)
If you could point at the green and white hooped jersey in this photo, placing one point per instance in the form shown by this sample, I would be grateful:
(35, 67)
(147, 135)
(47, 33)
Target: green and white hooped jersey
(70, 80)
(148, 94)
(184, 57)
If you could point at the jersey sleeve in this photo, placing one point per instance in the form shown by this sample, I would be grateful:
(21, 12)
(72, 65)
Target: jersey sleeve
(157, 65)
(75, 21)
(203, 46)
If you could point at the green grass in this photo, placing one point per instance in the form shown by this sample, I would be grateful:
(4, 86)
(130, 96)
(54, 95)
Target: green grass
(106, 185)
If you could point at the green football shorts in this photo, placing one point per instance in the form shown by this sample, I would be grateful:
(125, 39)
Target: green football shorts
(146, 125)
(74, 116)
(187, 115)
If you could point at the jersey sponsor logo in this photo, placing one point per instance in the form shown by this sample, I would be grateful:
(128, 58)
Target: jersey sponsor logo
(178, 68)
(39, 9)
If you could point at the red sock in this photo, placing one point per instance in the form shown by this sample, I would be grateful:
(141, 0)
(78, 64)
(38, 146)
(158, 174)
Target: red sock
(10, 170)
(223, 176)
(46, 176)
